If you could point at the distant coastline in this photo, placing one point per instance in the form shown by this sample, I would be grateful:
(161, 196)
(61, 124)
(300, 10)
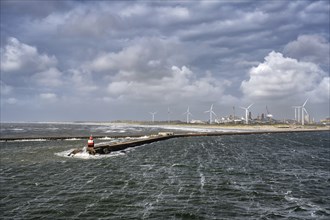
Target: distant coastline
(178, 124)
(178, 129)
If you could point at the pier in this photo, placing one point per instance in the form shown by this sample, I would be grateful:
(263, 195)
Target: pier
(105, 149)
(108, 148)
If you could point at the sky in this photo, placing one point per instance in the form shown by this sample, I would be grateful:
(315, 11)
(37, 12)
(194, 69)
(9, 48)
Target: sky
(120, 60)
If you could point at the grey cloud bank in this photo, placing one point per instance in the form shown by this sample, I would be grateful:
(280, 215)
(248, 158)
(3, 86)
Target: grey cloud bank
(108, 60)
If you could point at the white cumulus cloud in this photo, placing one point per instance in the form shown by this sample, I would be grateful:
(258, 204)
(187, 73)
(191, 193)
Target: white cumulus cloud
(143, 58)
(181, 84)
(17, 56)
(49, 78)
(119, 88)
(322, 92)
(283, 78)
(81, 80)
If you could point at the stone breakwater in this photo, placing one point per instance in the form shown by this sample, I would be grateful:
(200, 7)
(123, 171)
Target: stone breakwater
(105, 149)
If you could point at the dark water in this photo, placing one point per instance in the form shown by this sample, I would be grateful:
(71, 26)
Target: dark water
(268, 176)
(28, 130)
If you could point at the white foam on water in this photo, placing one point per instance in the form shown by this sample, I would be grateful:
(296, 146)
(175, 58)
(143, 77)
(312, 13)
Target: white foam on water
(304, 204)
(201, 175)
(177, 165)
(122, 127)
(91, 180)
(27, 140)
(72, 139)
(202, 180)
(110, 140)
(52, 129)
(105, 138)
(143, 137)
(86, 156)
(16, 129)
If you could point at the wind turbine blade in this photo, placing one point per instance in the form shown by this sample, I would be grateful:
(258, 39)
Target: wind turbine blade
(250, 106)
(305, 111)
(242, 108)
(305, 102)
(187, 112)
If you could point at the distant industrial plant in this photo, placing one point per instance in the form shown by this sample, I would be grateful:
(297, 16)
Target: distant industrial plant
(301, 116)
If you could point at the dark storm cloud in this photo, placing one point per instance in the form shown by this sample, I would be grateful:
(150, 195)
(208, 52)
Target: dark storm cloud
(123, 54)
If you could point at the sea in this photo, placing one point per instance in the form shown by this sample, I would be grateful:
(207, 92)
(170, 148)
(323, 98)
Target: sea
(257, 176)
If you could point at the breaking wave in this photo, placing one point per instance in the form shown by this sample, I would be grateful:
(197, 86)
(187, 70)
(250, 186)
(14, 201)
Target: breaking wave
(86, 156)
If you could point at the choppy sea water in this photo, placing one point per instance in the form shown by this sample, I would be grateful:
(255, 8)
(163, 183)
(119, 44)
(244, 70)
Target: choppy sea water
(265, 176)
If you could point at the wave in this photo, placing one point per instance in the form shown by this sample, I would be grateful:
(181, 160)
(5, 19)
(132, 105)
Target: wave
(72, 139)
(27, 140)
(17, 129)
(86, 156)
(105, 138)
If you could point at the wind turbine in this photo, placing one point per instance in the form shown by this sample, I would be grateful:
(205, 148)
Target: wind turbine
(153, 116)
(187, 113)
(246, 113)
(296, 113)
(308, 119)
(211, 113)
(302, 112)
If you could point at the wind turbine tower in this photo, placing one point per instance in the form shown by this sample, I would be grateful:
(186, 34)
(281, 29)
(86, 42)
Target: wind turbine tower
(211, 113)
(303, 110)
(296, 113)
(187, 113)
(153, 116)
(247, 113)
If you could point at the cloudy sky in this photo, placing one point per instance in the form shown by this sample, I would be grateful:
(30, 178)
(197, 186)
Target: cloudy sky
(109, 60)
